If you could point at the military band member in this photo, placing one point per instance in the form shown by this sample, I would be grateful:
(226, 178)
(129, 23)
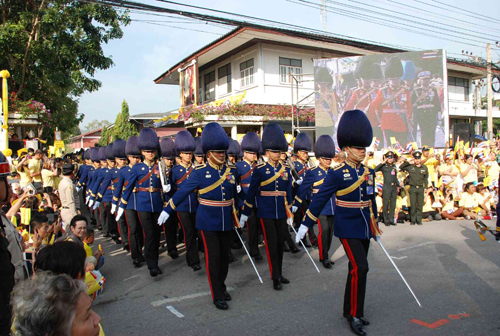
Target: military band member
(121, 162)
(418, 179)
(250, 145)
(145, 177)
(93, 175)
(103, 216)
(216, 213)
(324, 152)
(353, 186)
(170, 227)
(232, 157)
(390, 189)
(199, 156)
(136, 235)
(81, 185)
(271, 185)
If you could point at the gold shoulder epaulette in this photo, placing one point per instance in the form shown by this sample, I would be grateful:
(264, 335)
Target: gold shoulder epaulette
(261, 165)
(314, 168)
(339, 166)
(201, 166)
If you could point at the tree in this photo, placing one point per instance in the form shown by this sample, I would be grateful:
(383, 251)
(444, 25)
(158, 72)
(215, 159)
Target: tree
(106, 136)
(52, 49)
(96, 124)
(123, 127)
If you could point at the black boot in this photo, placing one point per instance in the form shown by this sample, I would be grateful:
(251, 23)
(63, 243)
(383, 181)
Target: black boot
(356, 325)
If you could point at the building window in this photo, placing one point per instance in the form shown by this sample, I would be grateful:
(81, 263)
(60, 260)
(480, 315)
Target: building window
(289, 66)
(246, 73)
(458, 88)
(225, 79)
(210, 85)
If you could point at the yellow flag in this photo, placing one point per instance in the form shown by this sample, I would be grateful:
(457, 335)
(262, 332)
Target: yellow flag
(393, 141)
(466, 147)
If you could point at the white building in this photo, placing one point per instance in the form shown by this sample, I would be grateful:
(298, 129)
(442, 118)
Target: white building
(256, 60)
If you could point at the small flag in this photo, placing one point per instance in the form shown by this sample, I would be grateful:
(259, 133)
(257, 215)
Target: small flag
(398, 146)
(393, 140)
(409, 147)
(376, 142)
(480, 155)
(380, 186)
(483, 144)
(337, 150)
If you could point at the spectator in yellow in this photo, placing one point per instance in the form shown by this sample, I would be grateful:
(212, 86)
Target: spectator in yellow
(49, 175)
(448, 171)
(468, 169)
(23, 170)
(429, 160)
(469, 201)
(35, 167)
(484, 201)
(492, 168)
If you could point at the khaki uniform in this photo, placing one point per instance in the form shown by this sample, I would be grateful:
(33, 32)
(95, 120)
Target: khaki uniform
(69, 200)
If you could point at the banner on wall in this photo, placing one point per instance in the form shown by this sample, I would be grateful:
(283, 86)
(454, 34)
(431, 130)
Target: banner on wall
(404, 95)
(188, 77)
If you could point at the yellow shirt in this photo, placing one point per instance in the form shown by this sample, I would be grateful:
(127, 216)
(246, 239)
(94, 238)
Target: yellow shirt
(48, 178)
(401, 202)
(428, 205)
(35, 166)
(430, 167)
(469, 201)
(482, 199)
(88, 249)
(471, 175)
(24, 173)
(493, 170)
(379, 202)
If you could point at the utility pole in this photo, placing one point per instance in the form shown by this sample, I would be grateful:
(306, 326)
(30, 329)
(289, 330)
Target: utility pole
(489, 91)
(322, 13)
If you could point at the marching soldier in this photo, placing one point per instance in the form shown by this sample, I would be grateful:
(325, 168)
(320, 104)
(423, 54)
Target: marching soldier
(170, 227)
(105, 195)
(324, 152)
(81, 185)
(426, 106)
(232, 157)
(186, 211)
(199, 156)
(353, 186)
(418, 177)
(394, 101)
(93, 175)
(145, 177)
(103, 216)
(216, 213)
(135, 232)
(250, 146)
(271, 185)
(390, 189)
(121, 162)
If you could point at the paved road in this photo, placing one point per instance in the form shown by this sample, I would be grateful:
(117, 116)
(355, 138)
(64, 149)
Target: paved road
(455, 276)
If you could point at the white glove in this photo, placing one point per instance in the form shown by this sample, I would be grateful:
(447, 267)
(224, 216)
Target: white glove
(96, 205)
(163, 218)
(238, 188)
(91, 202)
(299, 181)
(87, 200)
(243, 220)
(113, 208)
(119, 213)
(294, 209)
(302, 233)
(289, 221)
(167, 188)
(78, 189)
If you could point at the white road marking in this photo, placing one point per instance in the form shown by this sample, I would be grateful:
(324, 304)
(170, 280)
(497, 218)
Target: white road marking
(415, 246)
(399, 258)
(133, 276)
(182, 298)
(115, 253)
(175, 311)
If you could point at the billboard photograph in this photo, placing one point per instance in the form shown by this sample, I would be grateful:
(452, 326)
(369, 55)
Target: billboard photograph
(188, 85)
(404, 95)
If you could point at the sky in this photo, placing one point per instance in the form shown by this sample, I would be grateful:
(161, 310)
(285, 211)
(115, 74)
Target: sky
(149, 49)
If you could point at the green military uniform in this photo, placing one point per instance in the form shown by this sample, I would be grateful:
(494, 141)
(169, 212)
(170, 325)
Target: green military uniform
(418, 179)
(390, 190)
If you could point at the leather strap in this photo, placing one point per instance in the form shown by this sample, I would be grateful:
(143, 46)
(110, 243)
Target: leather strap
(248, 173)
(185, 176)
(148, 175)
(149, 189)
(115, 180)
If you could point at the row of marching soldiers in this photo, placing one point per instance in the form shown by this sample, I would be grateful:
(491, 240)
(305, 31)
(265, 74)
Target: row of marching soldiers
(133, 196)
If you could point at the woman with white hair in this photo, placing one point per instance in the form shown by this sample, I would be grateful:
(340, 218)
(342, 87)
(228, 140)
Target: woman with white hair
(53, 305)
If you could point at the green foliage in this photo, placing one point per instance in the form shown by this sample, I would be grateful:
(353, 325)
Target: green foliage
(106, 137)
(95, 124)
(52, 49)
(123, 128)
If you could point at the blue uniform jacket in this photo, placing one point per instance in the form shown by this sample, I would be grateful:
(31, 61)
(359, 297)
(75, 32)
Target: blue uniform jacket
(189, 204)
(209, 217)
(349, 222)
(313, 180)
(96, 182)
(271, 207)
(146, 201)
(83, 174)
(105, 193)
(123, 180)
(90, 179)
(243, 167)
(301, 170)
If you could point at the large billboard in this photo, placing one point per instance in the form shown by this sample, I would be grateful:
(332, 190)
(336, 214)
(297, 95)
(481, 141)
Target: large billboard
(404, 95)
(188, 77)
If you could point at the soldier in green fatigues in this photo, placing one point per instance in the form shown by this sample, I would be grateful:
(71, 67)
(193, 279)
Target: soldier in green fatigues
(390, 190)
(418, 179)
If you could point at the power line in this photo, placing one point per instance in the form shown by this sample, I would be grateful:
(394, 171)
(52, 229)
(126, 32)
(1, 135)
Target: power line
(449, 10)
(482, 16)
(182, 28)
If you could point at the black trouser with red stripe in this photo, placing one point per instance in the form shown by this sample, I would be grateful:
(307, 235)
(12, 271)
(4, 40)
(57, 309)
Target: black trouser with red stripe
(357, 253)
(149, 222)
(253, 234)
(274, 235)
(325, 236)
(103, 217)
(123, 229)
(110, 221)
(170, 230)
(298, 216)
(217, 247)
(188, 223)
(135, 233)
